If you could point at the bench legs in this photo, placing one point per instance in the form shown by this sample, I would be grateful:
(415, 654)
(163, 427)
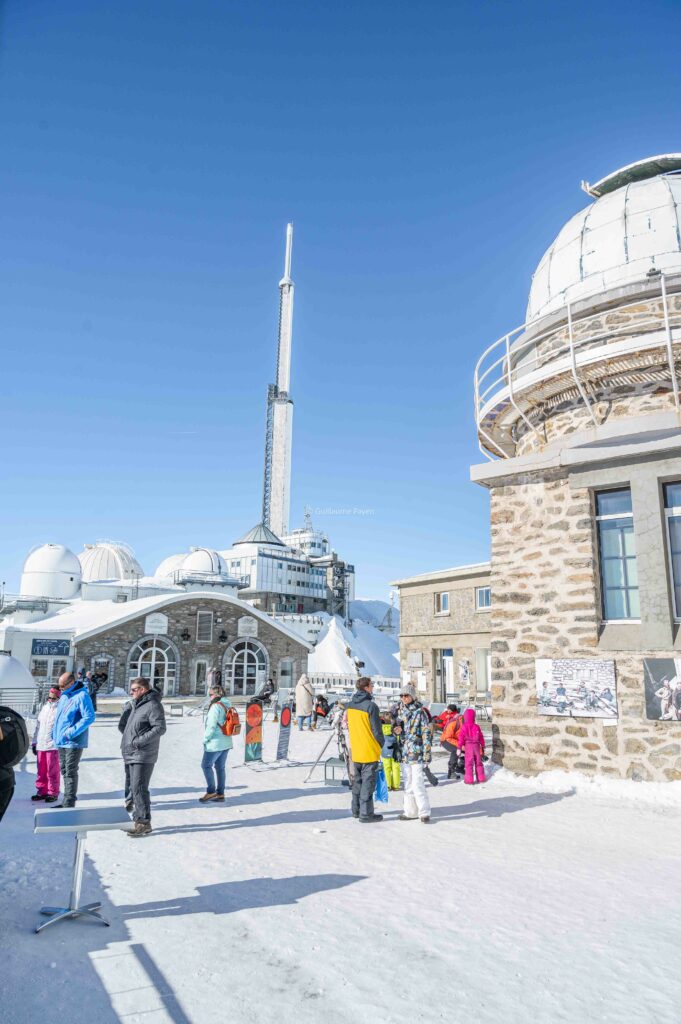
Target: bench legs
(74, 910)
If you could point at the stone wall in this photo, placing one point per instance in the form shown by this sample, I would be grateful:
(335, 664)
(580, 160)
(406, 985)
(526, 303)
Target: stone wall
(546, 604)
(117, 642)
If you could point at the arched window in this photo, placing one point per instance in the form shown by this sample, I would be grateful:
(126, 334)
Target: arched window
(244, 667)
(155, 658)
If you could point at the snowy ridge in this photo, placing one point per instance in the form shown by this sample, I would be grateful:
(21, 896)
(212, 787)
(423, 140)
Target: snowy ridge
(379, 651)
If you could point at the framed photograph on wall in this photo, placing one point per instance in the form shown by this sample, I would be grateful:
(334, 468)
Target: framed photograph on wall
(662, 677)
(576, 688)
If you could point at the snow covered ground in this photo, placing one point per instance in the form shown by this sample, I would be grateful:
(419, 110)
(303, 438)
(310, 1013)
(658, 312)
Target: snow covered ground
(521, 901)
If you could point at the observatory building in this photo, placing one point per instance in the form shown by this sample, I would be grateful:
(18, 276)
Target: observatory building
(578, 416)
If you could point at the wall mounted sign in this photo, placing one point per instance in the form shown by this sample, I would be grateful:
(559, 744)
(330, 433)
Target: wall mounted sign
(284, 732)
(156, 623)
(253, 737)
(415, 659)
(50, 648)
(579, 688)
(247, 626)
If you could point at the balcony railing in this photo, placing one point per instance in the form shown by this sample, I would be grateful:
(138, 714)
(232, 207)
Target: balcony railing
(529, 365)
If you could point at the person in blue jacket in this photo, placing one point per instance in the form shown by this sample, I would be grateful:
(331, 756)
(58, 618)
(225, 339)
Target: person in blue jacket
(75, 715)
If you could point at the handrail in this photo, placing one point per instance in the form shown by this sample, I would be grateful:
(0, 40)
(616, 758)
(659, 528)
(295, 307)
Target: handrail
(513, 361)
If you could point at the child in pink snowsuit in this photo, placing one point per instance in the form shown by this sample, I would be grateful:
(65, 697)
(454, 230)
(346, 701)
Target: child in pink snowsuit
(472, 743)
(48, 779)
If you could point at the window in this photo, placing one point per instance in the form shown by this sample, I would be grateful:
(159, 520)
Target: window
(442, 604)
(672, 513)
(619, 576)
(483, 598)
(204, 627)
(154, 658)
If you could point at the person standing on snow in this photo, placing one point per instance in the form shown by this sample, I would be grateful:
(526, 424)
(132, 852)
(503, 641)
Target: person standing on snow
(304, 701)
(216, 746)
(450, 742)
(366, 742)
(42, 745)
(142, 724)
(413, 727)
(13, 747)
(472, 744)
(75, 715)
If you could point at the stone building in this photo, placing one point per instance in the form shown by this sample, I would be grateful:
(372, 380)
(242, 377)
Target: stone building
(179, 641)
(578, 413)
(445, 631)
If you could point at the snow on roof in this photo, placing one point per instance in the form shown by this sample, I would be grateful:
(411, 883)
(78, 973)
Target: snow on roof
(82, 619)
(475, 569)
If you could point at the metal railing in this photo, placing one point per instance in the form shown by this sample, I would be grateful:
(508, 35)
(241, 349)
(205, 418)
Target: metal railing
(515, 367)
(328, 680)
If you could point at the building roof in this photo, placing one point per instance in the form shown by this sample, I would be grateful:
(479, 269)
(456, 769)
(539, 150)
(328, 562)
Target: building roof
(260, 534)
(83, 619)
(615, 241)
(459, 571)
(107, 560)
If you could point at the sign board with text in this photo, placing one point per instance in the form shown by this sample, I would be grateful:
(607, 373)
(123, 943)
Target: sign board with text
(157, 623)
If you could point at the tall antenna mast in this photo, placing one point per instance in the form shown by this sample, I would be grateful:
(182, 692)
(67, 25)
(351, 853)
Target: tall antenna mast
(276, 499)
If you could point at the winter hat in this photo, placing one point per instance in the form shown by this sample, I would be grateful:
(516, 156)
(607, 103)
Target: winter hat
(408, 690)
(54, 692)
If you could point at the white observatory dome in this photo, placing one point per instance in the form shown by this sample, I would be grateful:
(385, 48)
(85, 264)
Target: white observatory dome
(204, 560)
(631, 229)
(14, 675)
(51, 571)
(106, 560)
(169, 566)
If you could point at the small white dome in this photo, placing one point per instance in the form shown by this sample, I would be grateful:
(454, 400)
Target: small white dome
(51, 570)
(168, 566)
(108, 561)
(204, 560)
(614, 241)
(14, 675)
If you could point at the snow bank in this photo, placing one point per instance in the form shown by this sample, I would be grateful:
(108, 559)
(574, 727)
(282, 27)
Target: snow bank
(659, 794)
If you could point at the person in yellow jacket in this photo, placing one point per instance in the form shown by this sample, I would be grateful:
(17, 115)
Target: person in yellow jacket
(366, 742)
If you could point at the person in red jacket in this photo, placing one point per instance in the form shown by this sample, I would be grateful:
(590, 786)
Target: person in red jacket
(450, 741)
(472, 743)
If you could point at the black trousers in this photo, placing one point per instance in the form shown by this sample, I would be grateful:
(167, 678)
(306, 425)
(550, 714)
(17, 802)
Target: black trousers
(363, 785)
(69, 759)
(6, 789)
(452, 754)
(137, 779)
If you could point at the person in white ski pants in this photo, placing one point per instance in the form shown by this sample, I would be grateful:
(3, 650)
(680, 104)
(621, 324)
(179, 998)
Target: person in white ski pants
(416, 802)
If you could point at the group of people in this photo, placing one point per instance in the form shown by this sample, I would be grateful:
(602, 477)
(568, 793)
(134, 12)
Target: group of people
(402, 739)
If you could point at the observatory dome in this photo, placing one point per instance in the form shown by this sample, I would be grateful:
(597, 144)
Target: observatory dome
(109, 561)
(14, 675)
(168, 566)
(631, 229)
(204, 560)
(52, 570)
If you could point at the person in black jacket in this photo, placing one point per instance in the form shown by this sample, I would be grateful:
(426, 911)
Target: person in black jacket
(142, 723)
(13, 747)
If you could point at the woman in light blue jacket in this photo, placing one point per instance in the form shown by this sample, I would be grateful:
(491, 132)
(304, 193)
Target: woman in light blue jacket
(216, 746)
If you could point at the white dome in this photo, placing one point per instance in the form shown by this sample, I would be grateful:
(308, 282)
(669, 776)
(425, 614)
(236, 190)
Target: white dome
(14, 675)
(204, 560)
(614, 241)
(108, 561)
(52, 570)
(168, 566)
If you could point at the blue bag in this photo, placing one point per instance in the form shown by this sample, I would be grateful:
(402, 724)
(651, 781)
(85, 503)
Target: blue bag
(381, 790)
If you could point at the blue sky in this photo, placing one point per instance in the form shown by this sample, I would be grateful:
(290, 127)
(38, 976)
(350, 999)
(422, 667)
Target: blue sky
(152, 153)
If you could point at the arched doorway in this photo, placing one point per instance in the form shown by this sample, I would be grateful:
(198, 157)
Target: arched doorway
(155, 658)
(244, 667)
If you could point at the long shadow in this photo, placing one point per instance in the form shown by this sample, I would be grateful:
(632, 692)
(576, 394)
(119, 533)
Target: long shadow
(117, 794)
(496, 806)
(170, 1002)
(248, 894)
(285, 818)
(243, 800)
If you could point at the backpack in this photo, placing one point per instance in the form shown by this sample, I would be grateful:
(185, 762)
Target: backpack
(14, 745)
(232, 724)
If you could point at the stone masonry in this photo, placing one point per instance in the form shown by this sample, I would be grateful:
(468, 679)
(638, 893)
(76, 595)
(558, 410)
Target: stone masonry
(117, 641)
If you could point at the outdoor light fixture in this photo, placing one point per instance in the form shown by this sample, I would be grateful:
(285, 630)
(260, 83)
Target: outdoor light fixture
(223, 637)
(185, 635)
